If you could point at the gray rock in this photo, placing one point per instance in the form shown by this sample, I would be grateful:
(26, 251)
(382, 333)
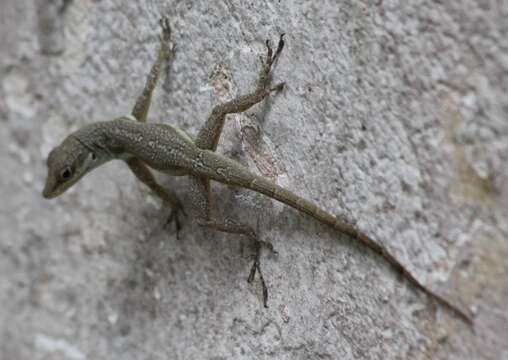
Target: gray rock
(395, 117)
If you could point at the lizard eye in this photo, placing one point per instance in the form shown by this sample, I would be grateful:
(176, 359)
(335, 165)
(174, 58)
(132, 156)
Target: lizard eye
(66, 173)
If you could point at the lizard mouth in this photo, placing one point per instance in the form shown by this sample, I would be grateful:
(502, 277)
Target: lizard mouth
(52, 189)
(48, 192)
(48, 195)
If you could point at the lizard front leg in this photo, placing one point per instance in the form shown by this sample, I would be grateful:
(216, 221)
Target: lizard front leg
(200, 202)
(140, 111)
(209, 135)
(146, 177)
(165, 53)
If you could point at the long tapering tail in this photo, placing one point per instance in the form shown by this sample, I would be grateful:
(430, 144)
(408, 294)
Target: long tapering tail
(276, 192)
(233, 173)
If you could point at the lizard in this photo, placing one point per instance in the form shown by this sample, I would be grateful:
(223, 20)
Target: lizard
(161, 147)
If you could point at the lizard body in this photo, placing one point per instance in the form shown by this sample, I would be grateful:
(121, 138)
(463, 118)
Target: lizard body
(144, 146)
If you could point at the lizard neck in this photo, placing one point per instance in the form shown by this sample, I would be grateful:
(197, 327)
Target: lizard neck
(109, 139)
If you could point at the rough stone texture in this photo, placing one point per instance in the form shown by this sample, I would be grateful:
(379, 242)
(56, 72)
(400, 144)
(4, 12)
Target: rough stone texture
(395, 117)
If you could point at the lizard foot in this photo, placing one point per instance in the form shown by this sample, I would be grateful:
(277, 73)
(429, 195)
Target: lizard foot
(267, 63)
(231, 227)
(270, 56)
(256, 267)
(165, 38)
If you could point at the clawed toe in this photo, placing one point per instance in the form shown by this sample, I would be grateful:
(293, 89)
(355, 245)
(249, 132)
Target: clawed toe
(256, 268)
(165, 36)
(278, 87)
(280, 46)
(268, 245)
(270, 56)
(166, 27)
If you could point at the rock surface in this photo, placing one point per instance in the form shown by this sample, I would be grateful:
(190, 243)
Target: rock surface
(395, 117)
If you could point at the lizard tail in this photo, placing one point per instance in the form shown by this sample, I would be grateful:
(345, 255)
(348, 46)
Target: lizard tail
(230, 172)
(277, 192)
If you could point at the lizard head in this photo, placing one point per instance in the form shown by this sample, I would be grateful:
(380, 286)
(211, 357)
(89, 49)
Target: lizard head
(67, 163)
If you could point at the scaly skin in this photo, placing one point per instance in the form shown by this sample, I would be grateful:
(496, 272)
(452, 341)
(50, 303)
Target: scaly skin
(144, 146)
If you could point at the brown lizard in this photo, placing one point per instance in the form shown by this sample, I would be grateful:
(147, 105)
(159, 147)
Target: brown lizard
(144, 146)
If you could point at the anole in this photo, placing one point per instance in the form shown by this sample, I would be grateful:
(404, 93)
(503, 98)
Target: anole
(144, 146)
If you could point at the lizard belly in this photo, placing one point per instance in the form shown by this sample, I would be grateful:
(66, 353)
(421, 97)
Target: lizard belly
(174, 171)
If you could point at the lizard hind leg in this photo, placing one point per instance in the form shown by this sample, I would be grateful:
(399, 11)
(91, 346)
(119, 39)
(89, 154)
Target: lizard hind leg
(200, 202)
(231, 227)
